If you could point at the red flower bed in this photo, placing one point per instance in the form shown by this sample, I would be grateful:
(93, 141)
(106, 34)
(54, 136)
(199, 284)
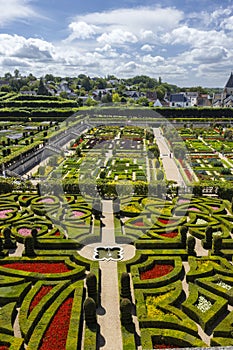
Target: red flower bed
(166, 221)
(158, 270)
(4, 347)
(164, 346)
(41, 267)
(57, 233)
(37, 298)
(169, 234)
(56, 334)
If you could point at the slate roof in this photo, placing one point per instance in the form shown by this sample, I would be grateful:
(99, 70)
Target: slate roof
(178, 98)
(229, 84)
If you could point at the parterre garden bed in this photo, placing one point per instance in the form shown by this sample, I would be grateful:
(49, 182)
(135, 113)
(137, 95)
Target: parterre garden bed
(176, 289)
(49, 287)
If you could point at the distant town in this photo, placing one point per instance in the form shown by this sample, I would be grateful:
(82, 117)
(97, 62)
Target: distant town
(139, 90)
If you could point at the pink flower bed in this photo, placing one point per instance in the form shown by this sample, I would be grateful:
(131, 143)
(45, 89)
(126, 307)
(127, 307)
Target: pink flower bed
(3, 213)
(77, 213)
(180, 201)
(194, 209)
(24, 231)
(46, 200)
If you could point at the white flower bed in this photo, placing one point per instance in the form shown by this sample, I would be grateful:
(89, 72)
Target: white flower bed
(224, 285)
(203, 304)
(201, 222)
(217, 233)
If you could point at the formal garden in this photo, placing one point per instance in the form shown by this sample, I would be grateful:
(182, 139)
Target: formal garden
(175, 292)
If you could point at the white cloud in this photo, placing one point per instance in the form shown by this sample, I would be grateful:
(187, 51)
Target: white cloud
(117, 37)
(152, 59)
(147, 48)
(81, 30)
(146, 18)
(12, 10)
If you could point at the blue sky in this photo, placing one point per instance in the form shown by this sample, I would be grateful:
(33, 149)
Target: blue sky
(186, 43)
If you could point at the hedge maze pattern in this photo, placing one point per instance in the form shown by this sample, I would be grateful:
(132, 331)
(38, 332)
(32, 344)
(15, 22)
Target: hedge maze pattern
(178, 293)
(182, 297)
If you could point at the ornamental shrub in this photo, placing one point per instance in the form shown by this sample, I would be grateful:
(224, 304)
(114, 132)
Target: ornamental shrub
(29, 246)
(209, 237)
(191, 245)
(91, 282)
(8, 243)
(90, 311)
(125, 286)
(217, 245)
(126, 312)
(183, 234)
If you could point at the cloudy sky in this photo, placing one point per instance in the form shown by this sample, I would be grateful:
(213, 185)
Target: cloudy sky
(186, 42)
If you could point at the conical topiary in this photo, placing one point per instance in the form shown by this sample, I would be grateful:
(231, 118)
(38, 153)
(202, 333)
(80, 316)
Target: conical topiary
(8, 243)
(217, 245)
(126, 312)
(29, 246)
(34, 233)
(183, 234)
(91, 282)
(125, 286)
(191, 242)
(90, 311)
(208, 237)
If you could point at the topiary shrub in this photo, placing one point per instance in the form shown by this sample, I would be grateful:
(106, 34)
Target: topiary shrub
(125, 286)
(183, 234)
(126, 312)
(29, 246)
(8, 243)
(209, 237)
(91, 282)
(217, 245)
(190, 245)
(34, 233)
(90, 311)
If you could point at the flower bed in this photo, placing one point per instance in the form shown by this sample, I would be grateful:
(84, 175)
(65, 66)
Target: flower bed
(37, 298)
(4, 347)
(169, 234)
(40, 267)
(3, 215)
(77, 213)
(46, 200)
(164, 346)
(156, 271)
(203, 304)
(166, 221)
(57, 332)
(24, 231)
